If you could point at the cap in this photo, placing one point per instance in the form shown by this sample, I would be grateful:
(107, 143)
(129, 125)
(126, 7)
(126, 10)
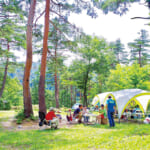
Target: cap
(51, 108)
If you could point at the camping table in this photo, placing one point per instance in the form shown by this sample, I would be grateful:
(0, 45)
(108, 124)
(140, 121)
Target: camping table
(92, 117)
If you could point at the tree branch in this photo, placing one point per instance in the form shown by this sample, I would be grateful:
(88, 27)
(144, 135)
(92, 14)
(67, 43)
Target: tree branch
(58, 4)
(55, 26)
(140, 18)
(5, 16)
(38, 18)
(58, 29)
(50, 53)
(63, 18)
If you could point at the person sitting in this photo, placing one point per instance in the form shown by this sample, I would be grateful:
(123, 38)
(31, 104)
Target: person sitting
(147, 120)
(69, 115)
(102, 114)
(51, 117)
(58, 115)
(78, 114)
(96, 107)
(84, 113)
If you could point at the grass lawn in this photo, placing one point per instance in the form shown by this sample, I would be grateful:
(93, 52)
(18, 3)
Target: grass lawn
(79, 137)
(7, 113)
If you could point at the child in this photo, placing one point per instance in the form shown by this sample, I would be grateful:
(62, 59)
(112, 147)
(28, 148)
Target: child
(58, 115)
(84, 113)
(69, 115)
(102, 115)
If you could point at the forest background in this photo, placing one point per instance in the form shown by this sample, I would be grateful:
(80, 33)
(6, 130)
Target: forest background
(99, 65)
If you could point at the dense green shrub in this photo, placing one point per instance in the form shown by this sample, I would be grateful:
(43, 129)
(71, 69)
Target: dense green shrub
(20, 116)
(4, 105)
(32, 117)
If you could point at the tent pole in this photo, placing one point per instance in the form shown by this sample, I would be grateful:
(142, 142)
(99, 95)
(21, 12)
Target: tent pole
(119, 120)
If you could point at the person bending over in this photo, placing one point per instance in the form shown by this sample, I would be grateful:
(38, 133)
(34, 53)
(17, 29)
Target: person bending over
(78, 114)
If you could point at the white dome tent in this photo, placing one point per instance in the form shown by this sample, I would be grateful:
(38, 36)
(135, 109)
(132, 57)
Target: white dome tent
(124, 97)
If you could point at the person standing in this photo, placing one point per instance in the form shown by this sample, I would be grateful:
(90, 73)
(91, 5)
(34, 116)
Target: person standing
(110, 107)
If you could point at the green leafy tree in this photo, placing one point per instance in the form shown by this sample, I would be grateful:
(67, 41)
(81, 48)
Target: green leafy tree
(94, 59)
(13, 92)
(59, 44)
(124, 77)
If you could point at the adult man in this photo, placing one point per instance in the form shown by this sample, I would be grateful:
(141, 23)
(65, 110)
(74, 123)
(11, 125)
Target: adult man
(77, 113)
(110, 107)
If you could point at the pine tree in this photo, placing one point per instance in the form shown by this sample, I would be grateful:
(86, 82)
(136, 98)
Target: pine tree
(120, 53)
(139, 48)
(11, 34)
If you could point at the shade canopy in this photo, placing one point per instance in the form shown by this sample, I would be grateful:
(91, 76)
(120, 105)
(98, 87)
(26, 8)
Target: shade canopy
(124, 97)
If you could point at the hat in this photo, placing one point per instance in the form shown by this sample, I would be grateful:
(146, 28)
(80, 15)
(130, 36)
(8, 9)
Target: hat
(51, 108)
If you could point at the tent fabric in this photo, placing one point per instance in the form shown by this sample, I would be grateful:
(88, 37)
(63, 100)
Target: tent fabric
(99, 98)
(144, 100)
(123, 97)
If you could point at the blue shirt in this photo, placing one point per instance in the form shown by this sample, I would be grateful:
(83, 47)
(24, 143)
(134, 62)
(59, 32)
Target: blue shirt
(110, 105)
(77, 111)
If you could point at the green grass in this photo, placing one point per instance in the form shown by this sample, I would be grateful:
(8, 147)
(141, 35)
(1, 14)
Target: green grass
(125, 136)
(79, 137)
(7, 113)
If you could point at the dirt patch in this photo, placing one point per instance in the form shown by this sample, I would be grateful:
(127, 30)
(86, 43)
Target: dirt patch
(11, 124)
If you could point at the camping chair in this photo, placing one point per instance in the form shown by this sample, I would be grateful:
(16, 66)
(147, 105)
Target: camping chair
(53, 123)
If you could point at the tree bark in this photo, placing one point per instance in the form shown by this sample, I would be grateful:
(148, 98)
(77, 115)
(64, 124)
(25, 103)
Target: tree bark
(42, 105)
(28, 111)
(75, 95)
(71, 93)
(85, 89)
(5, 73)
(140, 62)
(56, 79)
(80, 96)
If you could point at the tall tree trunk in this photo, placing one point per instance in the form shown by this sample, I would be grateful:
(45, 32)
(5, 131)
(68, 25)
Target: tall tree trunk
(85, 89)
(5, 73)
(75, 95)
(56, 90)
(42, 105)
(71, 93)
(28, 111)
(80, 96)
(56, 79)
(140, 62)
